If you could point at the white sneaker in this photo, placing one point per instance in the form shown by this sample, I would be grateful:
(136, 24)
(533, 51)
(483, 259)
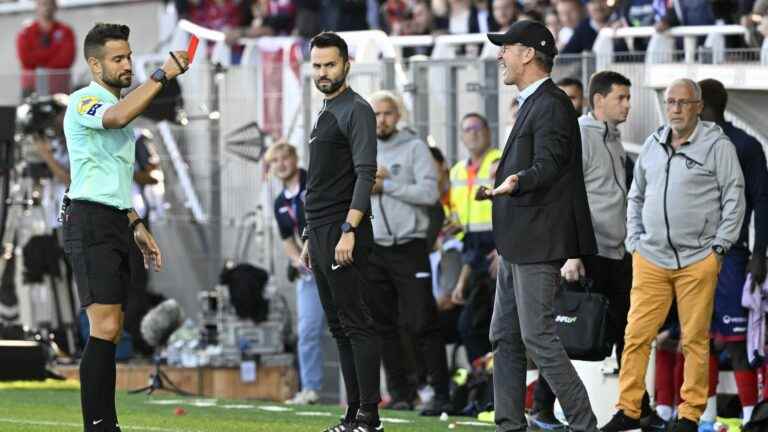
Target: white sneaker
(304, 397)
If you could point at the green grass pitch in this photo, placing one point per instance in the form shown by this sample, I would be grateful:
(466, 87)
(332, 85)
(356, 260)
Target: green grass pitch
(36, 410)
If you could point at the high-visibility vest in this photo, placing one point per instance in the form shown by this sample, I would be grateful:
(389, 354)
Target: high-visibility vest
(474, 216)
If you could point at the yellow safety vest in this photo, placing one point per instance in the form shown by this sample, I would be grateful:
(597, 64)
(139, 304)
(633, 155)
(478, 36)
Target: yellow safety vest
(474, 216)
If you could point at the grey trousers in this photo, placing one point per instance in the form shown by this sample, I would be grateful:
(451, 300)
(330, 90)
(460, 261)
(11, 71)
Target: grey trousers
(523, 320)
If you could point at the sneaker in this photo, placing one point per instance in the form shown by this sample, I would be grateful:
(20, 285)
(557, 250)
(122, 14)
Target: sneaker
(304, 397)
(684, 425)
(545, 420)
(622, 423)
(653, 423)
(343, 426)
(706, 426)
(367, 422)
(437, 406)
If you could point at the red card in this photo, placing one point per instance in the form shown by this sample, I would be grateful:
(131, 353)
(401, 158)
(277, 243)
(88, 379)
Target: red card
(192, 47)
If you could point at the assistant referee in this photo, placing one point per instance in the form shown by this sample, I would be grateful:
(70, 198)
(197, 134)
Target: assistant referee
(98, 219)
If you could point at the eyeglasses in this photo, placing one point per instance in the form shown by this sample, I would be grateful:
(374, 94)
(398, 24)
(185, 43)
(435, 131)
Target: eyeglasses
(682, 103)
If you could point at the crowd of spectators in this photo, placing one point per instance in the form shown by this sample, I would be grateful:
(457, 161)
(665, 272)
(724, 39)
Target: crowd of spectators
(574, 23)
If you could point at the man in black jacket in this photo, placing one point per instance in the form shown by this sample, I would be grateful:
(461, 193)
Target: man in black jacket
(342, 166)
(540, 219)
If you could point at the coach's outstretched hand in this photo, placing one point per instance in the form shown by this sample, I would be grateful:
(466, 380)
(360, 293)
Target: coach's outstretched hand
(148, 247)
(172, 67)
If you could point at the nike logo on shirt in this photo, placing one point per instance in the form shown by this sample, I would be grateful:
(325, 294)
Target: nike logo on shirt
(95, 422)
(335, 266)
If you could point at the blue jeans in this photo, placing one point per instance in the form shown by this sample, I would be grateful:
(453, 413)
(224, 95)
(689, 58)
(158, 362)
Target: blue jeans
(311, 327)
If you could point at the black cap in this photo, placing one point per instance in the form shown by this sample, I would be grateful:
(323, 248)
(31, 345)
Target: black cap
(529, 33)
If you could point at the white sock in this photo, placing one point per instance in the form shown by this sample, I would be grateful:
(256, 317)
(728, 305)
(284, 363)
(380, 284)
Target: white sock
(710, 413)
(747, 413)
(665, 412)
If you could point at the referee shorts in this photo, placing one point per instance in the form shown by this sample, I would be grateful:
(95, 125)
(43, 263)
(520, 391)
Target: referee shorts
(96, 240)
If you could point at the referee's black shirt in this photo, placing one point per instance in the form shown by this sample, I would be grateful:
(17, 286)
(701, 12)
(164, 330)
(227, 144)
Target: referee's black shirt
(342, 159)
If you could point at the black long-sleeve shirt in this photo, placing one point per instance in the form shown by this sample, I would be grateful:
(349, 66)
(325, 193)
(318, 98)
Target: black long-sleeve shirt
(342, 159)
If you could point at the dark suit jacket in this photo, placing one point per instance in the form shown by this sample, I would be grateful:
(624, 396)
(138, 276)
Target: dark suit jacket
(547, 218)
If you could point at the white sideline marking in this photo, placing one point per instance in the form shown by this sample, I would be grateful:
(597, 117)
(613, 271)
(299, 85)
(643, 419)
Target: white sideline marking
(314, 414)
(80, 426)
(474, 423)
(236, 406)
(272, 408)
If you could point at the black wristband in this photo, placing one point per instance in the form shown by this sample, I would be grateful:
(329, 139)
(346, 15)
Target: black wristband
(136, 223)
(173, 56)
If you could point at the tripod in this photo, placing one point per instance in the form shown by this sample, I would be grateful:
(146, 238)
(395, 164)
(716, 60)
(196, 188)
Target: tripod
(159, 380)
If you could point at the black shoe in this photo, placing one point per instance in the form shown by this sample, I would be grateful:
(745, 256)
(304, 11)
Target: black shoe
(684, 425)
(367, 422)
(545, 420)
(343, 426)
(653, 423)
(436, 407)
(621, 423)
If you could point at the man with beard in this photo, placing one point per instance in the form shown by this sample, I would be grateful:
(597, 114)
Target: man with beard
(339, 235)
(406, 185)
(99, 220)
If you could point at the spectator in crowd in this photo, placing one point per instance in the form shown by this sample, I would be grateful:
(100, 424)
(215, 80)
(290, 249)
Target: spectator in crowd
(399, 270)
(270, 18)
(686, 13)
(639, 13)
(531, 15)
(421, 22)
(222, 15)
(289, 214)
(343, 15)
(599, 16)
(575, 91)
(540, 218)
(604, 163)
(678, 250)
(730, 318)
(505, 13)
(472, 221)
(394, 15)
(570, 13)
(464, 17)
(45, 43)
(552, 21)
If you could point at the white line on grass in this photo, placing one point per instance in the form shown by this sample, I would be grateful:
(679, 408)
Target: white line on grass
(314, 414)
(78, 425)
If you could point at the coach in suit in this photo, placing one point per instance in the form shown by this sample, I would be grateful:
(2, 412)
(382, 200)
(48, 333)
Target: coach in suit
(540, 219)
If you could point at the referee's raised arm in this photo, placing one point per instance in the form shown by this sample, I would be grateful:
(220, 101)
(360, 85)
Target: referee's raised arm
(135, 102)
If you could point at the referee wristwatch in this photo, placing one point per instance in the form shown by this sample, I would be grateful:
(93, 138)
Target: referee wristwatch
(347, 227)
(719, 250)
(159, 76)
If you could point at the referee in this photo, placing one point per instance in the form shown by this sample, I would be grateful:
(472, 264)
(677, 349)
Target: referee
(342, 166)
(98, 219)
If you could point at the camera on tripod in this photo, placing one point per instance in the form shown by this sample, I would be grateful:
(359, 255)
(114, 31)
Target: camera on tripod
(38, 118)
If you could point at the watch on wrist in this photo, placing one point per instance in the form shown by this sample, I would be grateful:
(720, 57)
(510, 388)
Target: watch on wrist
(347, 227)
(159, 76)
(719, 250)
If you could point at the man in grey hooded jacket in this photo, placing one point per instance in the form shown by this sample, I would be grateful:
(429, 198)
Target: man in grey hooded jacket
(686, 206)
(399, 269)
